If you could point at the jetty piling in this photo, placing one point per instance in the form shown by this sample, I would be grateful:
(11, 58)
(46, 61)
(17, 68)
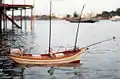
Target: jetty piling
(4, 8)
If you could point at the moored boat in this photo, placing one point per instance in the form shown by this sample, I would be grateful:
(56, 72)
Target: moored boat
(81, 21)
(70, 56)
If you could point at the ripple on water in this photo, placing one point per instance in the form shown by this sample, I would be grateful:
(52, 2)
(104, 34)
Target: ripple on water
(101, 63)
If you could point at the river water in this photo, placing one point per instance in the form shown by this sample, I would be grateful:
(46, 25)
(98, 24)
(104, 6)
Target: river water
(101, 61)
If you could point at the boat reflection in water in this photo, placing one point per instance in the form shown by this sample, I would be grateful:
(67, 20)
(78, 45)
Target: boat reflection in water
(48, 71)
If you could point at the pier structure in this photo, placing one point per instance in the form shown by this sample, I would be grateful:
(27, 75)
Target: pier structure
(13, 7)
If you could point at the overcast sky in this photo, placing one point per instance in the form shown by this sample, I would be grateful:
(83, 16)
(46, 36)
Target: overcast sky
(62, 7)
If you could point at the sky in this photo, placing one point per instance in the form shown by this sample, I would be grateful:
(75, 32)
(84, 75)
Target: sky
(63, 7)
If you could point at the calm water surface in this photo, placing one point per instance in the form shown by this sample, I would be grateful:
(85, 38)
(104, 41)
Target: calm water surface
(100, 62)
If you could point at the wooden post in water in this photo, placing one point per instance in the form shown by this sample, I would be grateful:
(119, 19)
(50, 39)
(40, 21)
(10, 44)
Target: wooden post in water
(21, 17)
(0, 17)
(12, 16)
(25, 19)
(12, 19)
(31, 26)
(25, 16)
(4, 19)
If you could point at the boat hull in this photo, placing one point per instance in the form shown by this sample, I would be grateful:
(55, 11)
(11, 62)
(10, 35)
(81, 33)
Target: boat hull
(21, 60)
(81, 21)
(72, 57)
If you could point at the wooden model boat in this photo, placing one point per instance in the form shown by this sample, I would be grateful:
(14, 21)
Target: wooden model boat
(70, 56)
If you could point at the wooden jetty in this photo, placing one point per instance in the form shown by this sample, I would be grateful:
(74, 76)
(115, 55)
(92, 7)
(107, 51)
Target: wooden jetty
(13, 7)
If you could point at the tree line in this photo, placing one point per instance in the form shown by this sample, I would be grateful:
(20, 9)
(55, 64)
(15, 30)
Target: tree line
(104, 14)
(75, 14)
(110, 13)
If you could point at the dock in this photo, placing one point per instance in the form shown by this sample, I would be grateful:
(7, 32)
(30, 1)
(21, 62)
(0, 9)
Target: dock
(4, 8)
(6, 65)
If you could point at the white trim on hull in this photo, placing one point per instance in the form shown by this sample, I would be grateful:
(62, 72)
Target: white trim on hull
(68, 58)
(19, 60)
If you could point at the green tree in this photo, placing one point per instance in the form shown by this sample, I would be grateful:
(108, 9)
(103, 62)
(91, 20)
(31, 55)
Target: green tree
(98, 15)
(68, 16)
(118, 11)
(75, 14)
(113, 13)
(105, 14)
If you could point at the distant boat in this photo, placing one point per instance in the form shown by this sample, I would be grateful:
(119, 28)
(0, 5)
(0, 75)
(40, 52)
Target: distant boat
(81, 21)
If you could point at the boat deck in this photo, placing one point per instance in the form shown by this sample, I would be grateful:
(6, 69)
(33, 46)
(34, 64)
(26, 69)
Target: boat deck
(55, 55)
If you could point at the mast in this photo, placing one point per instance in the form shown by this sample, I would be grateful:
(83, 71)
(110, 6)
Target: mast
(78, 27)
(50, 25)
